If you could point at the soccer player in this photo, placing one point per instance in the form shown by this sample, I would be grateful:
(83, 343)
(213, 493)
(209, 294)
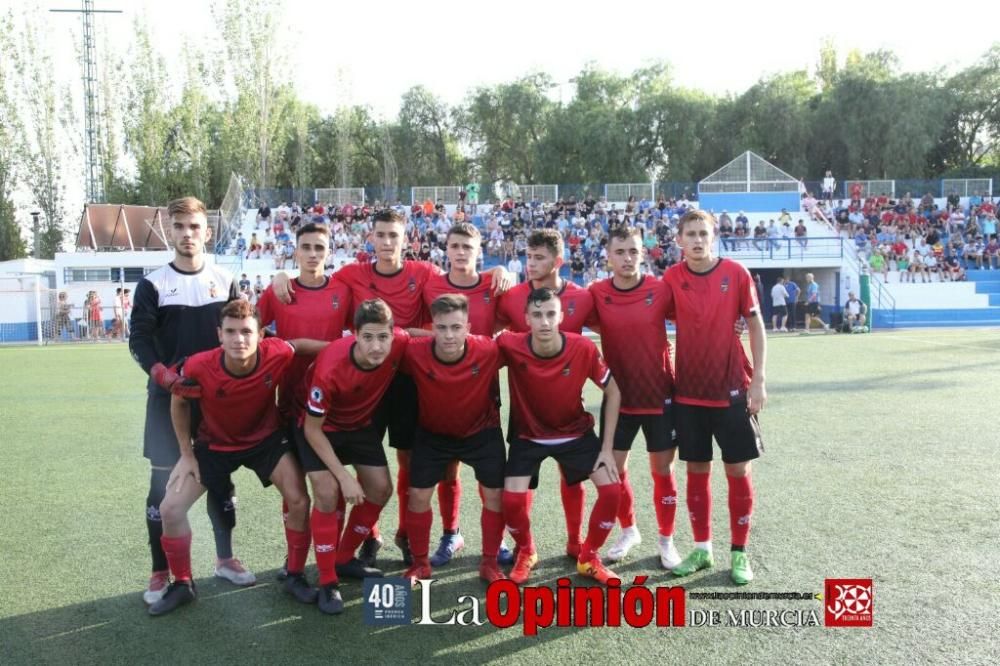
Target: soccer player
(632, 309)
(176, 314)
(464, 245)
(547, 370)
(400, 284)
(240, 427)
(717, 392)
(458, 418)
(544, 259)
(346, 386)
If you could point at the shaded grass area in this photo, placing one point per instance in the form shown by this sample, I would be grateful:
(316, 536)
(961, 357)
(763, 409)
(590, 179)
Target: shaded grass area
(880, 462)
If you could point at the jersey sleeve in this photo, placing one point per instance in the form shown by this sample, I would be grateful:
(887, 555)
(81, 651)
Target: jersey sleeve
(320, 388)
(598, 371)
(669, 306)
(265, 307)
(192, 368)
(748, 294)
(143, 322)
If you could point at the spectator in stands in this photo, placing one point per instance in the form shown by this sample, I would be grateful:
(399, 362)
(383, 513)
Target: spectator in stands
(829, 185)
(773, 236)
(264, 216)
(855, 313)
(255, 247)
(241, 243)
(879, 264)
(813, 309)
(801, 234)
(779, 306)
(760, 236)
(953, 201)
(725, 232)
(917, 266)
(516, 268)
(279, 256)
(577, 266)
(991, 254)
(258, 284)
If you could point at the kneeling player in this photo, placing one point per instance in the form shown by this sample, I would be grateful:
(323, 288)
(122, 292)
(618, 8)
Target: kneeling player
(547, 371)
(240, 427)
(455, 374)
(346, 386)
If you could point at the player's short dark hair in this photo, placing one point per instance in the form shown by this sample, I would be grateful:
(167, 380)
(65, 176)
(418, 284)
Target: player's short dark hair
(389, 215)
(312, 228)
(696, 215)
(186, 206)
(550, 239)
(372, 311)
(239, 309)
(464, 229)
(623, 233)
(449, 303)
(539, 296)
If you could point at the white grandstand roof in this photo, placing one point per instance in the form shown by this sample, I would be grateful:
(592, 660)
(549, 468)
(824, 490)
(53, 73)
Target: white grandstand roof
(749, 173)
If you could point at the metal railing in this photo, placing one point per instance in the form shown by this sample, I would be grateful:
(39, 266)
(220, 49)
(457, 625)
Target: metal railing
(781, 249)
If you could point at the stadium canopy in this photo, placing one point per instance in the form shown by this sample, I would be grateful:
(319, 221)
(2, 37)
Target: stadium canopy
(749, 183)
(119, 227)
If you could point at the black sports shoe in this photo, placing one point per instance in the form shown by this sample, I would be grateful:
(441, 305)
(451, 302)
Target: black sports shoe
(355, 569)
(330, 601)
(297, 586)
(403, 543)
(178, 593)
(369, 549)
(283, 571)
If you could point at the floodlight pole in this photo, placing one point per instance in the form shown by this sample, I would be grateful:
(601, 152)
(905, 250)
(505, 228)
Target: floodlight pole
(94, 165)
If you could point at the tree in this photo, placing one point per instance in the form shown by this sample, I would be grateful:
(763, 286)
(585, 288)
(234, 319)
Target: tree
(424, 133)
(972, 132)
(12, 245)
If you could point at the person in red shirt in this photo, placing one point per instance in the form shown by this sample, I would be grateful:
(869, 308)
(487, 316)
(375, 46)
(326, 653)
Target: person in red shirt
(632, 309)
(459, 419)
(717, 392)
(547, 371)
(346, 386)
(464, 246)
(240, 427)
(544, 259)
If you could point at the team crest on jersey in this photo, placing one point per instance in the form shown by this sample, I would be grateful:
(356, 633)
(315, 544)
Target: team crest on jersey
(412, 285)
(607, 300)
(649, 298)
(475, 369)
(685, 286)
(431, 375)
(373, 287)
(212, 291)
(571, 307)
(336, 302)
(725, 284)
(565, 370)
(316, 395)
(220, 393)
(268, 380)
(523, 366)
(486, 297)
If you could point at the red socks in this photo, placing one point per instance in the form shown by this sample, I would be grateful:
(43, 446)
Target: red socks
(602, 520)
(699, 501)
(515, 514)
(572, 501)
(359, 526)
(665, 501)
(418, 529)
(491, 523)
(740, 508)
(298, 549)
(449, 498)
(403, 494)
(626, 504)
(326, 537)
(178, 552)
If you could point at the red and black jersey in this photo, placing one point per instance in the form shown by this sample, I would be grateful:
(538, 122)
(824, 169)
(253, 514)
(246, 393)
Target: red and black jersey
(401, 290)
(711, 364)
(455, 399)
(634, 341)
(482, 301)
(316, 313)
(577, 307)
(239, 412)
(546, 393)
(344, 392)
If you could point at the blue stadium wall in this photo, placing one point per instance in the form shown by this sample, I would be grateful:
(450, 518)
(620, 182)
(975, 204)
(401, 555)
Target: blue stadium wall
(750, 202)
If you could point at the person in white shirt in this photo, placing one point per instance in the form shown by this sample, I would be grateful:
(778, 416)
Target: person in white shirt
(779, 305)
(829, 185)
(515, 267)
(855, 312)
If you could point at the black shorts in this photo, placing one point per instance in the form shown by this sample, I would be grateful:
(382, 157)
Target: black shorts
(779, 311)
(353, 447)
(484, 452)
(159, 443)
(216, 467)
(736, 431)
(658, 430)
(813, 309)
(576, 458)
(397, 412)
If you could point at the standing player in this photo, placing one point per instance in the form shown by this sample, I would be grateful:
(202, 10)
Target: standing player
(545, 258)
(346, 385)
(456, 378)
(717, 392)
(632, 309)
(176, 314)
(814, 312)
(464, 245)
(547, 371)
(240, 427)
(400, 284)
